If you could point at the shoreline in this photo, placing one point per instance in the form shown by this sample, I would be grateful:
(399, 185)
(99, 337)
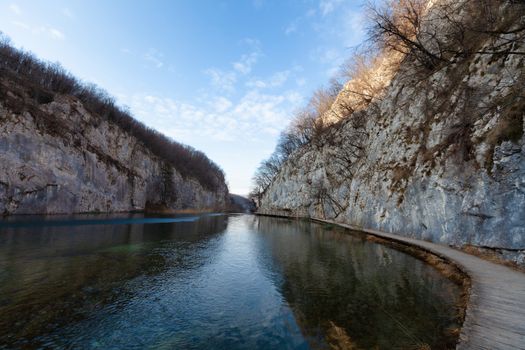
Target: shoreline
(494, 318)
(131, 212)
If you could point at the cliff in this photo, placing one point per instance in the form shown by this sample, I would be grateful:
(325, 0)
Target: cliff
(439, 156)
(59, 156)
(241, 204)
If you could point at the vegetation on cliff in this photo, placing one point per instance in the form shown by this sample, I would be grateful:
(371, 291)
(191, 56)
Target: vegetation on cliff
(43, 81)
(428, 36)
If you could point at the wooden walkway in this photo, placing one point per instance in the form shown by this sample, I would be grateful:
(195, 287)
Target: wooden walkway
(495, 316)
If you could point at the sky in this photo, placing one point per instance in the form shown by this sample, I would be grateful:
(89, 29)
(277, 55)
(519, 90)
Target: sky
(222, 76)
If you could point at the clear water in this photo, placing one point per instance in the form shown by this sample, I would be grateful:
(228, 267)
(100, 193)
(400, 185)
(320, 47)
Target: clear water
(213, 282)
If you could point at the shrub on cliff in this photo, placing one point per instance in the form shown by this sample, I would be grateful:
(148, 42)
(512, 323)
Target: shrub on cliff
(438, 33)
(45, 79)
(430, 35)
(306, 127)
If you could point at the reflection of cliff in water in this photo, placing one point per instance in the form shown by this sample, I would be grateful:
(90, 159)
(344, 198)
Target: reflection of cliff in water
(357, 294)
(73, 270)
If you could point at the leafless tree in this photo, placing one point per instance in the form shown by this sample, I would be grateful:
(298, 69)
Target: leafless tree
(43, 80)
(436, 34)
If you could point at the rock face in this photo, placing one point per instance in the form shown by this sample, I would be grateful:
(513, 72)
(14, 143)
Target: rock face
(240, 204)
(440, 157)
(79, 162)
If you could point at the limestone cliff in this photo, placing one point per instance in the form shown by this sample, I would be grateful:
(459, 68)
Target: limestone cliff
(58, 157)
(440, 156)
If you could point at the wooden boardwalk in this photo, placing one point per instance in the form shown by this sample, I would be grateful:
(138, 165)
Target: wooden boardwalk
(495, 316)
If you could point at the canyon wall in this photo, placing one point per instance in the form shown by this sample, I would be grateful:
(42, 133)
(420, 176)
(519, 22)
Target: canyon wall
(440, 157)
(57, 157)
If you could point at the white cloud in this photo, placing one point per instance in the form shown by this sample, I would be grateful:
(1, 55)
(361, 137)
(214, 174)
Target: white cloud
(216, 116)
(340, 28)
(221, 104)
(330, 55)
(225, 80)
(292, 27)
(50, 32)
(300, 21)
(154, 57)
(328, 6)
(254, 115)
(251, 115)
(310, 13)
(254, 44)
(326, 55)
(55, 33)
(276, 80)
(68, 13)
(222, 80)
(21, 25)
(246, 62)
(352, 27)
(15, 9)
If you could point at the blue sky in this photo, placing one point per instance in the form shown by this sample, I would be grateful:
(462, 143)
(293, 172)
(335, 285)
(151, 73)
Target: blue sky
(222, 76)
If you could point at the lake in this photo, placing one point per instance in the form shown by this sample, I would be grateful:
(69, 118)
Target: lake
(214, 281)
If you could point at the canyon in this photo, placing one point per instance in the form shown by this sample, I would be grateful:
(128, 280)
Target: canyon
(439, 156)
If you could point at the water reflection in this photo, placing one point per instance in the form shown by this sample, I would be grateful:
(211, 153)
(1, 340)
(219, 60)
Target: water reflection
(356, 293)
(212, 281)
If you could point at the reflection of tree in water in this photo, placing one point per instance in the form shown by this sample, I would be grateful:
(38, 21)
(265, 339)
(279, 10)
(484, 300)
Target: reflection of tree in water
(52, 276)
(355, 294)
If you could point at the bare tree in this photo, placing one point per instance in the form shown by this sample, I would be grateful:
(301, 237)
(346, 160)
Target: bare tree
(43, 80)
(397, 25)
(435, 34)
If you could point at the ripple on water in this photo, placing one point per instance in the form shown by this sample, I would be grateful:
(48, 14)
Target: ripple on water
(214, 281)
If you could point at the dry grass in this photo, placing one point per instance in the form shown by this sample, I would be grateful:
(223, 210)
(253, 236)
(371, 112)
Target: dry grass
(491, 255)
(368, 78)
(510, 128)
(339, 339)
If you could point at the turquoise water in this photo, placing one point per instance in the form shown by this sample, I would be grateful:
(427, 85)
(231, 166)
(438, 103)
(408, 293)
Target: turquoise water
(213, 282)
